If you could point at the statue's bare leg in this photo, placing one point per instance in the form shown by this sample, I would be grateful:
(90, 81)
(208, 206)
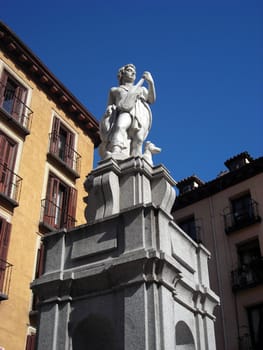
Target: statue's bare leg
(137, 143)
(119, 139)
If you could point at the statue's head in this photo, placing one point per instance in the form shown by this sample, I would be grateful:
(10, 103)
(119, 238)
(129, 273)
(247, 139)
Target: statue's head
(123, 69)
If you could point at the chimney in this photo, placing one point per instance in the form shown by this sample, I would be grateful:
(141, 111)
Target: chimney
(189, 184)
(238, 161)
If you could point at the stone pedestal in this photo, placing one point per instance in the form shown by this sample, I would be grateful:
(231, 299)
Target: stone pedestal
(130, 279)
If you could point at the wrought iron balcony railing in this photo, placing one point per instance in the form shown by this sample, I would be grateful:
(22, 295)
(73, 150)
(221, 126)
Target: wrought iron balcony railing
(15, 107)
(55, 217)
(248, 275)
(10, 183)
(235, 220)
(5, 279)
(64, 153)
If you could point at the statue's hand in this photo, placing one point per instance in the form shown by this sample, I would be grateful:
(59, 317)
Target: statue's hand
(148, 77)
(109, 110)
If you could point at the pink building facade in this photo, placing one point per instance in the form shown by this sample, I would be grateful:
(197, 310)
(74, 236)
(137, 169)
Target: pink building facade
(225, 215)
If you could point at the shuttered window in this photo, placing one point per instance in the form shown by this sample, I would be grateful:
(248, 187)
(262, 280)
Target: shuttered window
(8, 150)
(5, 229)
(60, 204)
(13, 96)
(62, 142)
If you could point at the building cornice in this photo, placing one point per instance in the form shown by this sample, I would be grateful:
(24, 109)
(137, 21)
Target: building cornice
(219, 184)
(14, 48)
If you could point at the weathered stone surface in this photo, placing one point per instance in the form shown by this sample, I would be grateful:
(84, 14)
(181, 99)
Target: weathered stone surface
(130, 278)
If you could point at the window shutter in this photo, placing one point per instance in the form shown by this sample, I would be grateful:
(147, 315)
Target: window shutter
(5, 229)
(54, 140)
(52, 188)
(31, 342)
(70, 151)
(8, 150)
(50, 205)
(19, 99)
(3, 86)
(72, 207)
(56, 125)
(40, 261)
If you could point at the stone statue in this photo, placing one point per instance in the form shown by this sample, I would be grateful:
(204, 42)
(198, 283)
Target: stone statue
(127, 120)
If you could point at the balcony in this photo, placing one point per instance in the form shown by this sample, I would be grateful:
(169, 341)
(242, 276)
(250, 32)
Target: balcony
(236, 220)
(247, 276)
(15, 110)
(10, 185)
(65, 155)
(54, 217)
(5, 278)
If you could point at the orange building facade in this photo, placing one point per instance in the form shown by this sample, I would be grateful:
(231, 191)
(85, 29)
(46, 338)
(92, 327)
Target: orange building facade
(47, 140)
(225, 215)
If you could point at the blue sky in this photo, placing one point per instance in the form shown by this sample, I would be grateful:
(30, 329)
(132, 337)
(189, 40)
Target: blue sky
(206, 58)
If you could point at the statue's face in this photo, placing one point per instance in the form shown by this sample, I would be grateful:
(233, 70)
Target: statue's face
(129, 74)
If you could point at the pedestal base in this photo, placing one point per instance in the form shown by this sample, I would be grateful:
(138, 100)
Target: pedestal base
(131, 278)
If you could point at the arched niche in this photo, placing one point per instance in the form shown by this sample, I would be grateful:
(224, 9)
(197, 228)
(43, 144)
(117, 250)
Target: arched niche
(93, 333)
(184, 339)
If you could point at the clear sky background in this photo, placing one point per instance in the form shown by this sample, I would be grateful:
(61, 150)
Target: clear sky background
(206, 58)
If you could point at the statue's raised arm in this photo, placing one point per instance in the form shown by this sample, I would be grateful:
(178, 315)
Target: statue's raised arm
(127, 120)
(151, 88)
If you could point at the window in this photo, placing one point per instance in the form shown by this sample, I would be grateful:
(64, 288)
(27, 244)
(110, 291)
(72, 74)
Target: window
(250, 266)
(190, 227)
(5, 229)
(242, 208)
(242, 212)
(59, 206)
(62, 145)
(248, 252)
(255, 318)
(9, 181)
(13, 97)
